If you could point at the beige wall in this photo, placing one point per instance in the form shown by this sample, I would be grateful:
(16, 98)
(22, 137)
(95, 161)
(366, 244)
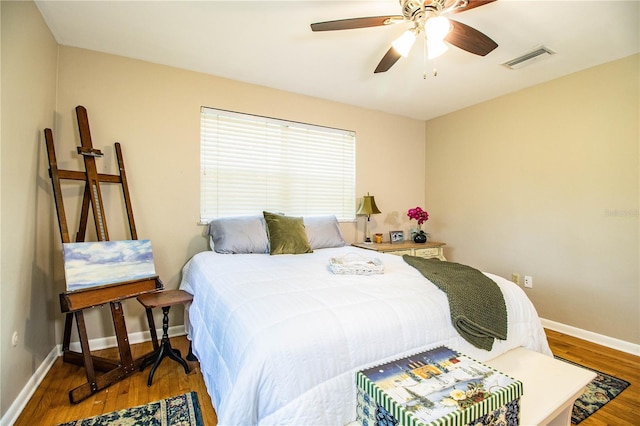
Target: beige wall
(28, 304)
(545, 182)
(153, 111)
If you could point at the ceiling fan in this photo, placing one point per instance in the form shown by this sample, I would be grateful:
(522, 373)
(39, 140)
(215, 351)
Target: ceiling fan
(426, 18)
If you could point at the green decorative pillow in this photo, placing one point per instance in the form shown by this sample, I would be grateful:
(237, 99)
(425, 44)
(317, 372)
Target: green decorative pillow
(287, 234)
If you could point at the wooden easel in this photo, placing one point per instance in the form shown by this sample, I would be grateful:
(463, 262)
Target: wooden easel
(73, 303)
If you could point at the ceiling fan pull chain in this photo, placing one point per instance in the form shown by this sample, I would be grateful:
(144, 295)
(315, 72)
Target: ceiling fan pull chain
(424, 59)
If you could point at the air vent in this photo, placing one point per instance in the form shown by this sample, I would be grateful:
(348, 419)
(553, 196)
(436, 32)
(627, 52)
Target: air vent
(528, 58)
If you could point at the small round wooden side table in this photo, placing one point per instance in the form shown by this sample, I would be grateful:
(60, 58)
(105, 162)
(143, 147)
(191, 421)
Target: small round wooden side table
(162, 299)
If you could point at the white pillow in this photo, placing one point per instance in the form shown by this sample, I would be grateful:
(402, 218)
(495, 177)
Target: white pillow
(239, 235)
(323, 232)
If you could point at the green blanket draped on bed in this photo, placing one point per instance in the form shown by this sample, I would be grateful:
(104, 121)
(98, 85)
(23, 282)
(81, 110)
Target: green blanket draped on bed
(477, 306)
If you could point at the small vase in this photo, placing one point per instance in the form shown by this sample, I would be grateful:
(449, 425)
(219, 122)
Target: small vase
(420, 237)
(413, 232)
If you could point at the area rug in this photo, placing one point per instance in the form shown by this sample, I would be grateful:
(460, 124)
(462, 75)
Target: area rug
(183, 410)
(599, 392)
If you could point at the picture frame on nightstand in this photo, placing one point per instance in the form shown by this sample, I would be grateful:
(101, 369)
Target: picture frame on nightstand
(396, 237)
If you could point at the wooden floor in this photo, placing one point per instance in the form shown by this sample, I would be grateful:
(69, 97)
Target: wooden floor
(50, 404)
(624, 410)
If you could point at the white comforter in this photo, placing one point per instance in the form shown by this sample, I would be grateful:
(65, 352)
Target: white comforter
(280, 338)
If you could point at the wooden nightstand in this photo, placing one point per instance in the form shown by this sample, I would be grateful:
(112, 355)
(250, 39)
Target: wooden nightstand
(426, 250)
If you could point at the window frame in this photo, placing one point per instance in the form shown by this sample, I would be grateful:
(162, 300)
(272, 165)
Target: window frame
(264, 163)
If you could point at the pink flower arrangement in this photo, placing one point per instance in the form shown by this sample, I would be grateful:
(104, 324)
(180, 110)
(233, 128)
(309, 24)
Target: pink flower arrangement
(418, 214)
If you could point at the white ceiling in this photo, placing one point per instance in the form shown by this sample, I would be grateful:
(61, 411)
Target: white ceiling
(270, 43)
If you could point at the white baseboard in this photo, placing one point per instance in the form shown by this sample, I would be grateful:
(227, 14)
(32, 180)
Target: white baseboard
(30, 387)
(25, 394)
(137, 337)
(610, 342)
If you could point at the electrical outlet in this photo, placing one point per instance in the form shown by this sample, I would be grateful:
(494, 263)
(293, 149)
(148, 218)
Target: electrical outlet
(528, 281)
(515, 278)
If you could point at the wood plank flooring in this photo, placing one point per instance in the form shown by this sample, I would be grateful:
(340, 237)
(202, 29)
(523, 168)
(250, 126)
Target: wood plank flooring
(50, 404)
(624, 410)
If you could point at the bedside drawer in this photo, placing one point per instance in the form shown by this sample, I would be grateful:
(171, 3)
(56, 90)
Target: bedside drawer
(401, 252)
(428, 252)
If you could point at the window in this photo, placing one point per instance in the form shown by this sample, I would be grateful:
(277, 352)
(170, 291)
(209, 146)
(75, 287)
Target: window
(249, 164)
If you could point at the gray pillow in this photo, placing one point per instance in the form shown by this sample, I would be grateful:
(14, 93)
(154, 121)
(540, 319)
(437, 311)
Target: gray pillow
(323, 232)
(239, 235)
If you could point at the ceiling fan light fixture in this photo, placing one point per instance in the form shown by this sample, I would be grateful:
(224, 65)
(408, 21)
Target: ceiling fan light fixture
(427, 20)
(437, 28)
(436, 48)
(404, 43)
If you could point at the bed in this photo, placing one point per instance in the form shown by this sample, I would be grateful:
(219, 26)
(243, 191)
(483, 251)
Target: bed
(280, 337)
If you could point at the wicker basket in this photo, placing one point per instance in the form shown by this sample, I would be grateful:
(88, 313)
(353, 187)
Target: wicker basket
(355, 264)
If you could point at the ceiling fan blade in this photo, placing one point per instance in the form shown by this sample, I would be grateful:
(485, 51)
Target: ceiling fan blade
(472, 5)
(352, 23)
(388, 60)
(469, 39)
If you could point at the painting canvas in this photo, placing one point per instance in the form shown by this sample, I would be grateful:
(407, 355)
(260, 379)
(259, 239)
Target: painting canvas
(95, 264)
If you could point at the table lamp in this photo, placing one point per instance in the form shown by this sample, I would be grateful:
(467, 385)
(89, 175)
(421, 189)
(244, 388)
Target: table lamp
(367, 208)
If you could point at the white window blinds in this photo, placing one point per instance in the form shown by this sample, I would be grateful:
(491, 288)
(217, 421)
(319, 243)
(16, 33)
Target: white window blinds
(249, 164)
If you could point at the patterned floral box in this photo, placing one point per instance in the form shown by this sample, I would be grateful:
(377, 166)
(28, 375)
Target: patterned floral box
(439, 387)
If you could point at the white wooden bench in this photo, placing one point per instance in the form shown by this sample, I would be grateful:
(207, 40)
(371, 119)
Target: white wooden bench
(550, 386)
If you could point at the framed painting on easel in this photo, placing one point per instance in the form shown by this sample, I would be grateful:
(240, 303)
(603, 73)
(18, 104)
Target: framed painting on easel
(95, 264)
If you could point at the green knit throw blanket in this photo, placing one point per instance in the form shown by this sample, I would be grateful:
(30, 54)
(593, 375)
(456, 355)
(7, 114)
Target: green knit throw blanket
(478, 311)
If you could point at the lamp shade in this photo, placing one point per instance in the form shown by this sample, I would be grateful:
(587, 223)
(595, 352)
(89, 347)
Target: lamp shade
(436, 48)
(404, 43)
(437, 28)
(368, 206)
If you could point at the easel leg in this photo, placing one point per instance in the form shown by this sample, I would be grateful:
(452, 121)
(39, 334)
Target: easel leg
(86, 352)
(123, 338)
(117, 371)
(152, 328)
(66, 340)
